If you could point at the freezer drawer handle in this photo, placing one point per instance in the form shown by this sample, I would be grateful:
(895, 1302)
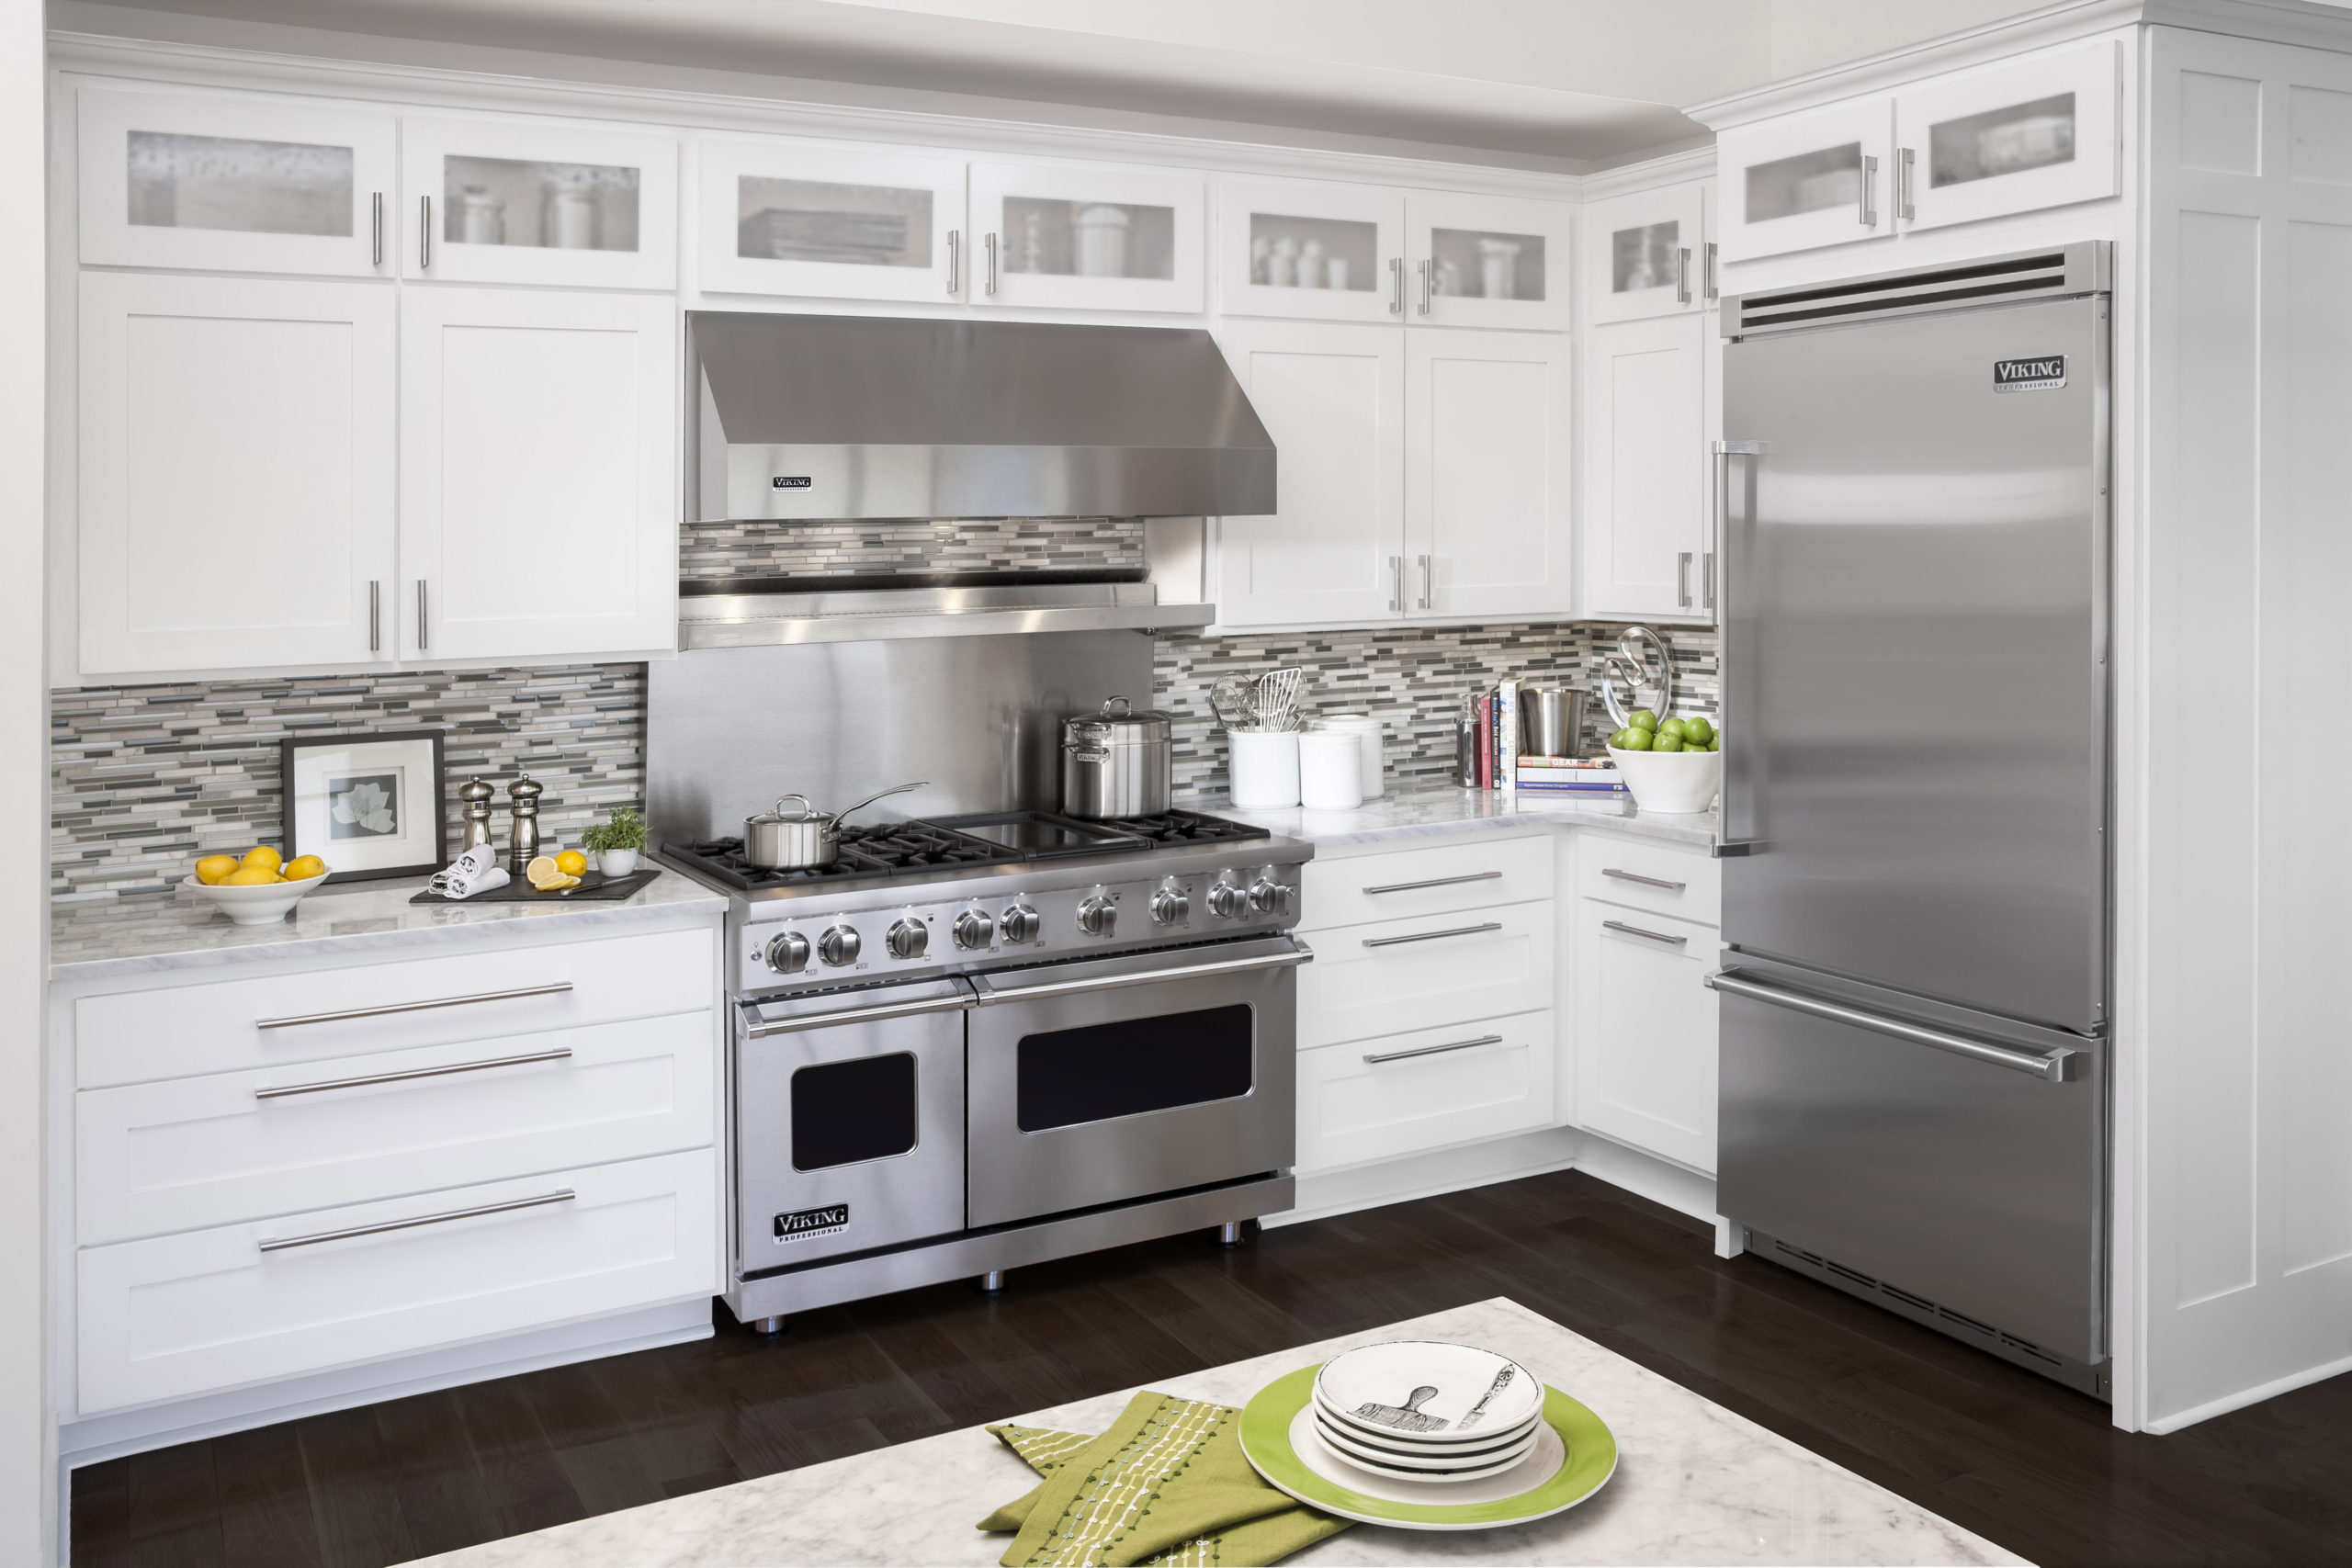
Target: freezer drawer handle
(1434, 936)
(1644, 881)
(1434, 1050)
(556, 989)
(991, 995)
(2051, 1067)
(856, 1015)
(373, 1079)
(1436, 882)
(1654, 936)
(272, 1244)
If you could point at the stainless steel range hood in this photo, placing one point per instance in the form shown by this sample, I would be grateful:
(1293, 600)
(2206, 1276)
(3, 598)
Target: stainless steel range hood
(817, 417)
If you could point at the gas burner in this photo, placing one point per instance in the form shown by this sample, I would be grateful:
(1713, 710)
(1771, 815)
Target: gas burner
(896, 848)
(1188, 827)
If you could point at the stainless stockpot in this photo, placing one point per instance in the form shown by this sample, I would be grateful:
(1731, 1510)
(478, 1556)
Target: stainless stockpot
(775, 842)
(1117, 763)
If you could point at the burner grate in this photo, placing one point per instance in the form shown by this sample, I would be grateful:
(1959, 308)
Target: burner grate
(1189, 828)
(890, 850)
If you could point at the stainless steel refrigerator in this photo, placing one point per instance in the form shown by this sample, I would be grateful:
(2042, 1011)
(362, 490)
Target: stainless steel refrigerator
(1914, 498)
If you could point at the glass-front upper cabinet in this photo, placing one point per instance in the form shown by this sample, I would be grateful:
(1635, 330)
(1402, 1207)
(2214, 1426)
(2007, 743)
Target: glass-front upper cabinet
(1310, 248)
(785, 216)
(1649, 254)
(1088, 236)
(2037, 132)
(499, 202)
(234, 182)
(1484, 261)
(1806, 181)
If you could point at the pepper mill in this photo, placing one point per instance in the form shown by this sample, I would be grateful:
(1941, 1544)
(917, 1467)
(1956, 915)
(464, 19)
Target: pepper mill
(477, 796)
(524, 795)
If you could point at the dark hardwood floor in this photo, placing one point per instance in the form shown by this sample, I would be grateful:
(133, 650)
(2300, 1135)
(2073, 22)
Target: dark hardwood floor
(2032, 1466)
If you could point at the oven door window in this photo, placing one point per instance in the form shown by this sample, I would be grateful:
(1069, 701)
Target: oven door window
(851, 1112)
(1134, 1067)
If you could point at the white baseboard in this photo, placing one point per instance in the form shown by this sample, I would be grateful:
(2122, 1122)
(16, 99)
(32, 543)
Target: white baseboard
(2239, 1401)
(1502, 1159)
(1674, 1187)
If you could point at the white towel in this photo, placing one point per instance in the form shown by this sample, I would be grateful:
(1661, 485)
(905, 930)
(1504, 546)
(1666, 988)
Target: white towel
(476, 871)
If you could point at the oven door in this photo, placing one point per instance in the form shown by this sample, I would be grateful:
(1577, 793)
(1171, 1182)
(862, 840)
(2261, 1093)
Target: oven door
(1111, 1080)
(849, 1122)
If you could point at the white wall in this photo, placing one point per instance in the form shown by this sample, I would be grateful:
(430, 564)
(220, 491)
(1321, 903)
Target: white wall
(1812, 35)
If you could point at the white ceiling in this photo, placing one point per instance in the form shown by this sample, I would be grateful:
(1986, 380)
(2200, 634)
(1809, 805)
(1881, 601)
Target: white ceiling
(1566, 84)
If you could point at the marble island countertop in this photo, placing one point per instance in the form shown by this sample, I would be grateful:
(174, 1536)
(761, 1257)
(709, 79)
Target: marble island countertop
(105, 938)
(1424, 811)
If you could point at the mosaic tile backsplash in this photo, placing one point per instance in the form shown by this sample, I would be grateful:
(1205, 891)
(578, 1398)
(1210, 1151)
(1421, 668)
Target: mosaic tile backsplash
(709, 550)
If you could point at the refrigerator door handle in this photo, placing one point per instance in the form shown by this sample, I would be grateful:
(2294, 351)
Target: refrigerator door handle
(2051, 1067)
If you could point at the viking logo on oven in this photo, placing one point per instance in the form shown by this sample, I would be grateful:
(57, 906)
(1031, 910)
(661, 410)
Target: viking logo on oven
(808, 1224)
(2042, 375)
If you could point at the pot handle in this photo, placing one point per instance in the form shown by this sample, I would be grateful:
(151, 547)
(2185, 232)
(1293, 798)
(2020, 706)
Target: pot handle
(1124, 708)
(1087, 753)
(895, 789)
(808, 808)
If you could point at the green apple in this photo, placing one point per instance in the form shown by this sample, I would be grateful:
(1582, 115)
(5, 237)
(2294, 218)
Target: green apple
(1667, 743)
(1697, 729)
(1641, 719)
(1675, 727)
(1717, 743)
(1634, 739)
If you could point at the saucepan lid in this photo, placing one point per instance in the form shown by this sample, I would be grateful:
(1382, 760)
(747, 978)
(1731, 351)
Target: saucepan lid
(1119, 723)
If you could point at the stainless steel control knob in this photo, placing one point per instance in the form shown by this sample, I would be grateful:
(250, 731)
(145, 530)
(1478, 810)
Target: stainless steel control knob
(1226, 901)
(1270, 898)
(907, 938)
(1098, 917)
(839, 946)
(1169, 907)
(974, 929)
(1020, 923)
(789, 953)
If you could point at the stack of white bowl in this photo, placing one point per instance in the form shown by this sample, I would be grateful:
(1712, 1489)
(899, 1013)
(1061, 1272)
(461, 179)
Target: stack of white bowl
(1426, 1411)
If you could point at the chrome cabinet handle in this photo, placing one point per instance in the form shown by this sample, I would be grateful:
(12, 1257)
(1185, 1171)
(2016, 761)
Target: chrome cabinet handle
(1429, 581)
(554, 989)
(1396, 584)
(280, 1093)
(955, 256)
(855, 1015)
(1436, 882)
(1428, 285)
(1397, 281)
(1644, 881)
(1434, 1050)
(990, 243)
(993, 996)
(1682, 276)
(1654, 936)
(275, 1245)
(424, 232)
(1434, 936)
(423, 622)
(1707, 580)
(2051, 1068)
(1682, 579)
(1903, 165)
(1870, 193)
(376, 228)
(1710, 272)
(375, 615)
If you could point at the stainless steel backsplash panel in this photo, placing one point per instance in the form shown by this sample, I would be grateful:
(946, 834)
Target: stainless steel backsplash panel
(729, 729)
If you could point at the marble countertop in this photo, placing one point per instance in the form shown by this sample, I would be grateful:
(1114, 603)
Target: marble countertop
(1694, 1483)
(104, 938)
(1428, 812)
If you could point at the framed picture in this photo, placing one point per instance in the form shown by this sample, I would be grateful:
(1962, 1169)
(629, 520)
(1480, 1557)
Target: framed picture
(366, 805)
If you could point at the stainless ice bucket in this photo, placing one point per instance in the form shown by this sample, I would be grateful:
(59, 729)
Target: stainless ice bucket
(1550, 720)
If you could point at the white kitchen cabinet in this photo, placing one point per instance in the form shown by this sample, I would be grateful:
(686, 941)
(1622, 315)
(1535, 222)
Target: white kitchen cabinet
(1399, 1094)
(1643, 873)
(1333, 399)
(1316, 249)
(1427, 972)
(1807, 180)
(236, 463)
(1645, 1032)
(1440, 879)
(233, 182)
(789, 216)
(1487, 261)
(1088, 236)
(1489, 418)
(1647, 540)
(538, 201)
(1649, 254)
(2041, 131)
(538, 483)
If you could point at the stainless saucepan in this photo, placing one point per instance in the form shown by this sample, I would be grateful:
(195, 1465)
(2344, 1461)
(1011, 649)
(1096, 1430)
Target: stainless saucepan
(775, 842)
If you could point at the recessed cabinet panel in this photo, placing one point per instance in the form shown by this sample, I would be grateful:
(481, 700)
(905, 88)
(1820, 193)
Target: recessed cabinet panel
(1646, 497)
(785, 217)
(1647, 254)
(1646, 1034)
(1488, 498)
(2042, 132)
(1310, 248)
(492, 201)
(1088, 236)
(1487, 261)
(1806, 181)
(233, 184)
(1401, 1094)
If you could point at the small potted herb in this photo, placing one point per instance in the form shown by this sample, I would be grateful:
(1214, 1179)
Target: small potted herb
(616, 843)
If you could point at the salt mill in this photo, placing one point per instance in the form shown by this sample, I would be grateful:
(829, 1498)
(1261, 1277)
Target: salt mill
(524, 795)
(477, 794)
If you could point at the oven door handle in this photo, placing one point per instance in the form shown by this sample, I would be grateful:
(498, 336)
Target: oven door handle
(989, 996)
(852, 1015)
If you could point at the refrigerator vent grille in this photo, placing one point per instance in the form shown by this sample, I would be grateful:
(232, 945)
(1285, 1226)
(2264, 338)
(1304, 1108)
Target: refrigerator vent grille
(1867, 1284)
(2037, 275)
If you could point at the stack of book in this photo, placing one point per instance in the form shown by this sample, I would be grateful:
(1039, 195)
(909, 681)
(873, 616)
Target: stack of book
(1574, 775)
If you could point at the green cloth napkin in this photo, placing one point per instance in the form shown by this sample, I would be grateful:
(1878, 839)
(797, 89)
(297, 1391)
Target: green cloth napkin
(1167, 1483)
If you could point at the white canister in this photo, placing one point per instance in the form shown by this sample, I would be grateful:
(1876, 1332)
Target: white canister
(1497, 267)
(1374, 745)
(571, 217)
(1265, 768)
(1335, 272)
(1102, 240)
(1330, 770)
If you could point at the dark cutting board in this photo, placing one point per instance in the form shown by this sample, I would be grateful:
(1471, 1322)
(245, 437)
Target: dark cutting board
(594, 886)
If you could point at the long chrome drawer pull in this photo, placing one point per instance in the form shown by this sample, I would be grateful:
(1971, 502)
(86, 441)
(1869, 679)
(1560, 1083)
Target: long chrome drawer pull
(990, 996)
(1434, 1050)
(2050, 1067)
(556, 1056)
(274, 1244)
(1437, 882)
(1654, 936)
(1434, 936)
(556, 990)
(855, 1015)
(1644, 881)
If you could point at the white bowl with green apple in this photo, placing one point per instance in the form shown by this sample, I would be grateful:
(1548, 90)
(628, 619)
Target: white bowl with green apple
(1671, 765)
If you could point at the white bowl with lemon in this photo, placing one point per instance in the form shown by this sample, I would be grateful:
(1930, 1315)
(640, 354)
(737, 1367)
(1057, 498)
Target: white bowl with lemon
(255, 889)
(1673, 766)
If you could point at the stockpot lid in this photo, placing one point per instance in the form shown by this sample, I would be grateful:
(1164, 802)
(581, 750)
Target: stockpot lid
(1117, 725)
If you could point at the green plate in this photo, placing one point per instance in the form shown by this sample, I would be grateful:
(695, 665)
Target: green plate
(1265, 1438)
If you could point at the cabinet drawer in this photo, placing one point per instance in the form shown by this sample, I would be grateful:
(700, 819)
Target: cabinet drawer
(1470, 874)
(1426, 973)
(1437, 1086)
(270, 1020)
(1645, 875)
(1645, 1032)
(183, 1153)
(180, 1315)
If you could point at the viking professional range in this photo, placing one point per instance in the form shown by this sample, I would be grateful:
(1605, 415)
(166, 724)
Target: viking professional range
(1914, 495)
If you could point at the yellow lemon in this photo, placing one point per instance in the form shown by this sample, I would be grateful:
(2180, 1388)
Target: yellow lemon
(263, 856)
(571, 863)
(212, 869)
(557, 883)
(301, 868)
(540, 869)
(249, 876)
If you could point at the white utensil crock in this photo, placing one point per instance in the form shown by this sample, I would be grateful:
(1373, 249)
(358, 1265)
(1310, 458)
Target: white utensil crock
(1265, 768)
(1374, 745)
(1330, 770)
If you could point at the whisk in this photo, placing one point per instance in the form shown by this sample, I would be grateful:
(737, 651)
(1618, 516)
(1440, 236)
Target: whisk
(1275, 703)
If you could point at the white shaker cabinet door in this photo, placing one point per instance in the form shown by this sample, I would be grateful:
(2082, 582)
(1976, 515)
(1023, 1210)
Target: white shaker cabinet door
(235, 469)
(534, 201)
(1088, 236)
(2038, 132)
(1646, 514)
(1316, 249)
(1807, 180)
(539, 455)
(788, 216)
(1333, 399)
(234, 182)
(1488, 423)
(1645, 1032)
(1487, 261)
(1648, 254)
